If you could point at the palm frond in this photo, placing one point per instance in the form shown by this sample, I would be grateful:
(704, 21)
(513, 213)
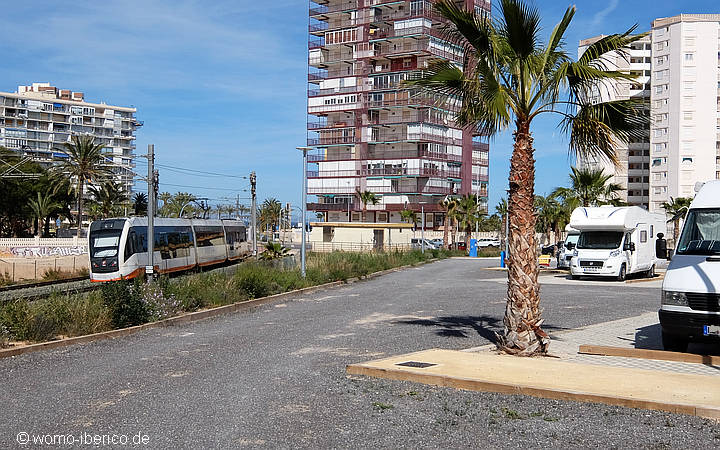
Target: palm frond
(520, 27)
(596, 130)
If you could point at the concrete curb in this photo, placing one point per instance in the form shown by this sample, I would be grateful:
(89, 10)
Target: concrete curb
(193, 316)
(658, 355)
(473, 380)
(658, 277)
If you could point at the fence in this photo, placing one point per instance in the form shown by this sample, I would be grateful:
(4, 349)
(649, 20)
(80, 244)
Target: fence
(17, 269)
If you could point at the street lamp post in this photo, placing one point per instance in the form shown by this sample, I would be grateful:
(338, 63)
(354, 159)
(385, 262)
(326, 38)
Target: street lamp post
(422, 230)
(304, 151)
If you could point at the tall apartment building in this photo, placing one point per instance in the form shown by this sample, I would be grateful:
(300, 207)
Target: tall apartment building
(685, 129)
(368, 131)
(37, 120)
(682, 55)
(633, 171)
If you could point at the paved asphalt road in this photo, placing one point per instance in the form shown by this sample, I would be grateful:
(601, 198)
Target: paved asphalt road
(275, 376)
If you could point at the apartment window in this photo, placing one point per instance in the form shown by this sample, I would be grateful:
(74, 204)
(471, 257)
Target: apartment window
(660, 146)
(659, 132)
(660, 60)
(687, 161)
(690, 42)
(689, 57)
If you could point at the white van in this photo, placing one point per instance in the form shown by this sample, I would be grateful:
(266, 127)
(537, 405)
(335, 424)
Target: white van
(689, 308)
(615, 241)
(565, 253)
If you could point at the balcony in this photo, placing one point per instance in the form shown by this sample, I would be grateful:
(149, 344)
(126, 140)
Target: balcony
(324, 9)
(386, 172)
(401, 32)
(413, 117)
(332, 206)
(410, 48)
(324, 124)
(340, 140)
(411, 102)
(382, 154)
(422, 137)
(338, 90)
(318, 27)
(381, 190)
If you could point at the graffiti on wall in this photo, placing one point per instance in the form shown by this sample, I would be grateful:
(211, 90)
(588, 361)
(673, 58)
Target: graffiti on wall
(44, 252)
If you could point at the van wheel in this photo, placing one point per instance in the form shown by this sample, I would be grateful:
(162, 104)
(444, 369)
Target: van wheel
(674, 343)
(622, 275)
(651, 272)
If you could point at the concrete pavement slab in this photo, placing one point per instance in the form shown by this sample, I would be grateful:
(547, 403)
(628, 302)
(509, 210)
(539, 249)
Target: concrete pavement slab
(552, 378)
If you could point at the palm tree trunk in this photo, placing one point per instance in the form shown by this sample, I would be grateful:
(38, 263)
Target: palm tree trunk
(446, 232)
(79, 205)
(676, 232)
(46, 227)
(522, 314)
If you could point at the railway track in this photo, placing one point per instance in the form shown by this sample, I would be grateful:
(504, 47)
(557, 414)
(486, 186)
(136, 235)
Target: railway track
(42, 289)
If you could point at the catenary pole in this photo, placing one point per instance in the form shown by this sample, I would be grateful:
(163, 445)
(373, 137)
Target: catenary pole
(150, 268)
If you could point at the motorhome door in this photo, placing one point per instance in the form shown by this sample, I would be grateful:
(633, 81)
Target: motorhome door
(630, 256)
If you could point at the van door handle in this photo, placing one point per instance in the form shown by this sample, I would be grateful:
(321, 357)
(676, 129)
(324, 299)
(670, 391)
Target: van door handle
(713, 259)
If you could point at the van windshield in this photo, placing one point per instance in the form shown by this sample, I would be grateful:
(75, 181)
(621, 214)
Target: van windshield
(701, 234)
(600, 240)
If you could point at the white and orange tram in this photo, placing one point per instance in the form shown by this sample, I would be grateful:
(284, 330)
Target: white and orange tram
(118, 247)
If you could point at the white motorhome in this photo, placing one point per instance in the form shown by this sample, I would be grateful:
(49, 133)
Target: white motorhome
(690, 308)
(565, 253)
(615, 241)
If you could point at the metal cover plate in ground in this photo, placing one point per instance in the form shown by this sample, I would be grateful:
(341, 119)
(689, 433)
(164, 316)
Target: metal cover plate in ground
(417, 364)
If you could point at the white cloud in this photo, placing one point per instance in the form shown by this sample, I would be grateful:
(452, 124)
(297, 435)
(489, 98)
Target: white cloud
(600, 16)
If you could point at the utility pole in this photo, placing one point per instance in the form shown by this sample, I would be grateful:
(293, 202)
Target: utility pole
(253, 219)
(155, 188)
(150, 268)
(422, 231)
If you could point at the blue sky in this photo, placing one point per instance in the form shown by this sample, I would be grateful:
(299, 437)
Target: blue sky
(220, 85)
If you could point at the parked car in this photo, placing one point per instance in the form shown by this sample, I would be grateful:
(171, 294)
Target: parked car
(416, 243)
(488, 242)
(438, 243)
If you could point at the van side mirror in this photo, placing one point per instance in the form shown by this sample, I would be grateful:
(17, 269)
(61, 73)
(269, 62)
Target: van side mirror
(629, 246)
(632, 246)
(661, 248)
(570, 246)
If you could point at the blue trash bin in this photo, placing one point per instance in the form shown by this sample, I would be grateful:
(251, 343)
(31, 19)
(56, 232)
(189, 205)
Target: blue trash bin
(473, 248)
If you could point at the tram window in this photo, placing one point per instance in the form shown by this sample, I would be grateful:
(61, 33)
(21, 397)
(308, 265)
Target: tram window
(209, 236)
(136, 241)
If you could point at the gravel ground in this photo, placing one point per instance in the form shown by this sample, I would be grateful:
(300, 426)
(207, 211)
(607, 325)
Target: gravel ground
(275, 376)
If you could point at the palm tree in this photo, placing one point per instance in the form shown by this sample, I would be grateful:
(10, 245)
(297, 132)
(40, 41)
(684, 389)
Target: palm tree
(449, 205)
(467, 214)
(42, 208)
(109, 196)
(270, 213)
(140, 203)
(589, 187)
(509, 79)
(274, 250)
(676, 208)
(548, 213)
(84, 163)
(165, 197)
(409, 216)
(367, 197)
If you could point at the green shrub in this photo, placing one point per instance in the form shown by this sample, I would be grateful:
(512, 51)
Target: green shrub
(125, 303)
(14, 317)
(5, 279)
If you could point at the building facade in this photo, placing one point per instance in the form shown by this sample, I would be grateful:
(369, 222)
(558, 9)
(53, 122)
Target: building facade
(685, 126)
(370, 132)
(678, 70)
(37, 120)
(633, 171)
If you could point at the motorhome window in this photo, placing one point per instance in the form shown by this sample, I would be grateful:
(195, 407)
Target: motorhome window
(600, 240)
(643, 236)
(701, 234)
(572, 239)
(104, 244)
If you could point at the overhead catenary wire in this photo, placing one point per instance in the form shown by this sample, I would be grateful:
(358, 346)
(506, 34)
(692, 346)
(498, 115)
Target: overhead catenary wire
(187, 171)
